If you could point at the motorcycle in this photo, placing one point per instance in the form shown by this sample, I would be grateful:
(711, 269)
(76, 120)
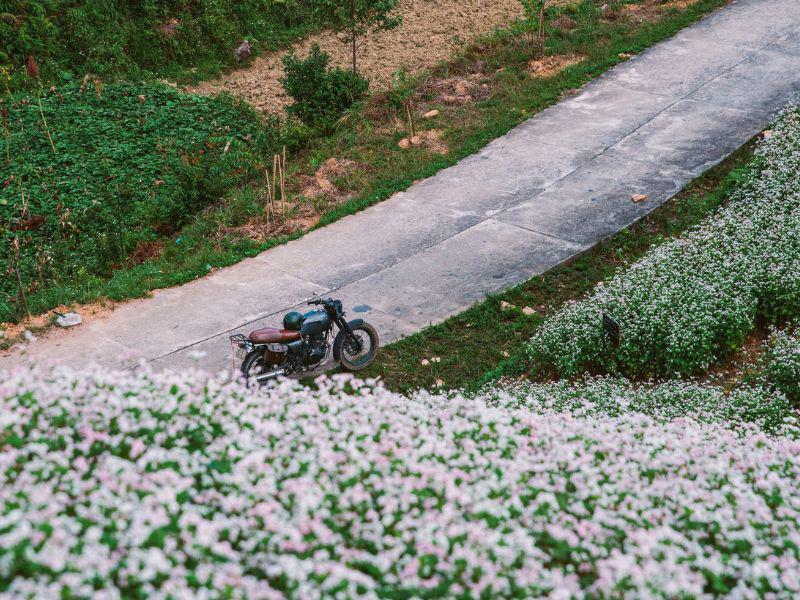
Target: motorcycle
(303, 343)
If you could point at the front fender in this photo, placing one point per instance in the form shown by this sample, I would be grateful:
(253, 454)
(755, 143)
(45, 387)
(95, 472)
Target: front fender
(337, 343)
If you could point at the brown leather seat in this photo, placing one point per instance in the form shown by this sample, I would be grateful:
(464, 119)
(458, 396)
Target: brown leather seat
(274, 336)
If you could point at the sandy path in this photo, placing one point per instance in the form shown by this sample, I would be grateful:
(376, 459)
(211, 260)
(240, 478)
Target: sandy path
(431, 30)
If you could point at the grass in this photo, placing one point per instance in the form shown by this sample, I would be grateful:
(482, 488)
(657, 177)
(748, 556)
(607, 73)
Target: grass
(487, 342)
(125, 39)
(217, 235)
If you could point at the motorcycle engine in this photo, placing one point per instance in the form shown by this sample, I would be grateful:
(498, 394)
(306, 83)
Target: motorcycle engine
(316, 349)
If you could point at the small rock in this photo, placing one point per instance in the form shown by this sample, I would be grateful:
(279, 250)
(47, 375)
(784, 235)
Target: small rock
(142, 98)
(766, 134)
(158, 182)
(439, 383)
(29, 336)
(625, 55)
(505, 306)
(506, 354)
(436, 359)
(244, 50)
(2, 334)
(69, 319)
(639, 198)
(528, 311)
(431, 114)
(424, 362)
(405, 144)
(462, 88)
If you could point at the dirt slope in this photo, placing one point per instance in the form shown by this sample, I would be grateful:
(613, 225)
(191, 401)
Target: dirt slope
(431, 30)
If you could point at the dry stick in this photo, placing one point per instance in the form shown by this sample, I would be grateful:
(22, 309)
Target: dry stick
(411, 127)
(283, 180)
(24, 204)
(268, 208)
(22, 297)
(21, 290)
(282, 164)
(274, 188)
(541, 19)
(6, 134)
(46, 128)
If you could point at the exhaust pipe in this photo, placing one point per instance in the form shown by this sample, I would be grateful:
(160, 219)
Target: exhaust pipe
(271, 375)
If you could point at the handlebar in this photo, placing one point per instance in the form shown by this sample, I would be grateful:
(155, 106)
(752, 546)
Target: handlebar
(327, 303)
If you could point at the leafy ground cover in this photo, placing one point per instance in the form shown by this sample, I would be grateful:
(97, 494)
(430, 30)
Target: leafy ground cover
(96, 176)
(140, 39)
(141, 484)
(367, 140)
(691, 300)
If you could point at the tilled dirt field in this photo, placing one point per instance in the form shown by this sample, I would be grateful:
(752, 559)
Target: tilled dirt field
(431, 30)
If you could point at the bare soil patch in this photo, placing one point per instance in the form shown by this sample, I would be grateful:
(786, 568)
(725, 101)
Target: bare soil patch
(431, 31)
(652, 10)
(551, 65)
(323, 181)
(310, 196)
(432, 140)
(36, 326)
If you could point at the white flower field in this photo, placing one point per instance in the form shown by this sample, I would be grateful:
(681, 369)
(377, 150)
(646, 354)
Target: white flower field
(186, 486)
(692, 299)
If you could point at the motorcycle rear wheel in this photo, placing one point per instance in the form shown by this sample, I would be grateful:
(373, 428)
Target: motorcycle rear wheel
(253, 363)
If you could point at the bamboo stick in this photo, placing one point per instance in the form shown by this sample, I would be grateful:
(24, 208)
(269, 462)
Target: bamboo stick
(283, 183)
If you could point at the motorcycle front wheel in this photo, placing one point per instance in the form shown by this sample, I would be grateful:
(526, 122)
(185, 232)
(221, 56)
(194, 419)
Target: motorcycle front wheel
(346, 349)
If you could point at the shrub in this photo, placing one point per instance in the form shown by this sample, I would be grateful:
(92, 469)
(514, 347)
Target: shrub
(183, 485)
(780, 363)
(691, 300)
(321, 94)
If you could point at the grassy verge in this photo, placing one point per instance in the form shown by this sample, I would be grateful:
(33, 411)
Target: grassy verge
(489, 340)
(502, 90)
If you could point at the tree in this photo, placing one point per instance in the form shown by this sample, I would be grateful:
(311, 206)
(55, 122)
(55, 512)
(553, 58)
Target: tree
(358, 18)
(320, 94)
(534, 15)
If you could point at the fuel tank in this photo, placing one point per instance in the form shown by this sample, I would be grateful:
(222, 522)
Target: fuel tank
(316, 321)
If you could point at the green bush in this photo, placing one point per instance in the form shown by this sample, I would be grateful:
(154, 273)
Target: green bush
(321, 94)
(129, 164)
(780, 363)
